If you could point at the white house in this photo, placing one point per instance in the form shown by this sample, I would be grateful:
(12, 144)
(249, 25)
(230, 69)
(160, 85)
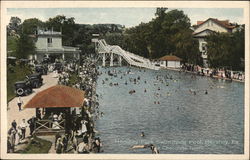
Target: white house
(49, 44)
(204, 28)
(170, 61)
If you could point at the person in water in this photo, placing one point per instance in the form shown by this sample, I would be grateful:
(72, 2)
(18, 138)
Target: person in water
(154, 149)
(141, 146)
(142, 134)
(206, 92)
(151, 146)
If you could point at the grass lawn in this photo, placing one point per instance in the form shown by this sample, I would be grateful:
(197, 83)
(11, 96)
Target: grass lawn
(18, 73)
(37, 145)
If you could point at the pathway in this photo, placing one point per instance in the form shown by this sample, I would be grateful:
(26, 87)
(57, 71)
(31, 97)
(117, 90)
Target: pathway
(13, 112)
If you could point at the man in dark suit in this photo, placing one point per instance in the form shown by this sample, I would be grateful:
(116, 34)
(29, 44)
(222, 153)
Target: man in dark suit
(32, 124)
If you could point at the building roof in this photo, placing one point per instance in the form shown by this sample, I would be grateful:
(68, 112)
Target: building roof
(206, 30)
(57, 96)
(223, 23)
(170, 58)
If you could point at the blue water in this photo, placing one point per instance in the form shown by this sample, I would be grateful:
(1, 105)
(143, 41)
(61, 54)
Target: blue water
(185, 123)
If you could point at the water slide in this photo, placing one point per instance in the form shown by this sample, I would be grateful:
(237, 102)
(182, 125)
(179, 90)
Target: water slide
(129, 57)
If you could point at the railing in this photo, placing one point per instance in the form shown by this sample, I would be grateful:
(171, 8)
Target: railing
(48, 125)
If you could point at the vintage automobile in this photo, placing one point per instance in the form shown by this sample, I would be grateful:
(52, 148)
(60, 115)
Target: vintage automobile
(23, 88)
(35, 80)
(41, 69)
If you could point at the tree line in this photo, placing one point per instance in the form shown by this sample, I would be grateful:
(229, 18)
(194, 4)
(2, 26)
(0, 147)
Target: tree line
(168, 33)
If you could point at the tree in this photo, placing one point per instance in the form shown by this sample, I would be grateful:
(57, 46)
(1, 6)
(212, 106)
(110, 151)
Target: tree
(25, 46)
(14, 25)
(114, 39)
(160, 11)
(55, 23)
(186, 47)
(12, 45)
(66, 25)
(168, 33)
(29, 26)
(226, 50)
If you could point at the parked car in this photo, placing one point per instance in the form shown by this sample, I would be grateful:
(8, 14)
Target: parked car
(41, 69)
(23, 88)
(35, 80)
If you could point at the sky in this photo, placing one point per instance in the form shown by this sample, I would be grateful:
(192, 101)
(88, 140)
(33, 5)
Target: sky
(125, 16)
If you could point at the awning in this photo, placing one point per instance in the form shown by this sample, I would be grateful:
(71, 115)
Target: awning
(57, 96)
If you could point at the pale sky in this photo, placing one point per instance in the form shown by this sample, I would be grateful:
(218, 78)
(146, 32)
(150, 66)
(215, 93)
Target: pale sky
(124, 16)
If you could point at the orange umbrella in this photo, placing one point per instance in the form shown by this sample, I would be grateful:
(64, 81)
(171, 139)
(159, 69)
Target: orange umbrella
(57, 96)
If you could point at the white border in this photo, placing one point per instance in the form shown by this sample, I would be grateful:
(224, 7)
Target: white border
(101, 4)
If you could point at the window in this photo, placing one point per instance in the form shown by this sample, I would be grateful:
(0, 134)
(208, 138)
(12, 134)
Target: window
(49, 41)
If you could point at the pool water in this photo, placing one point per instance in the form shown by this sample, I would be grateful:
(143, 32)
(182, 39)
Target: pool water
(171, 115)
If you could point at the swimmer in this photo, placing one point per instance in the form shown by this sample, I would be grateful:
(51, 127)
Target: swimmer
(141, 146)
(151, 146)
(132, 91)
(145, 90)
(102, 114)
(206, 92)
(154, 149)
(142, 134)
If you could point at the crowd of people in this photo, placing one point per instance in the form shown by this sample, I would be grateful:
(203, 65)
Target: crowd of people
(216, 73)
(17, 133)
(79, 135)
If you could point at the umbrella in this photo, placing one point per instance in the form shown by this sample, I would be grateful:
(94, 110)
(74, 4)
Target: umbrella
(57, 96)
